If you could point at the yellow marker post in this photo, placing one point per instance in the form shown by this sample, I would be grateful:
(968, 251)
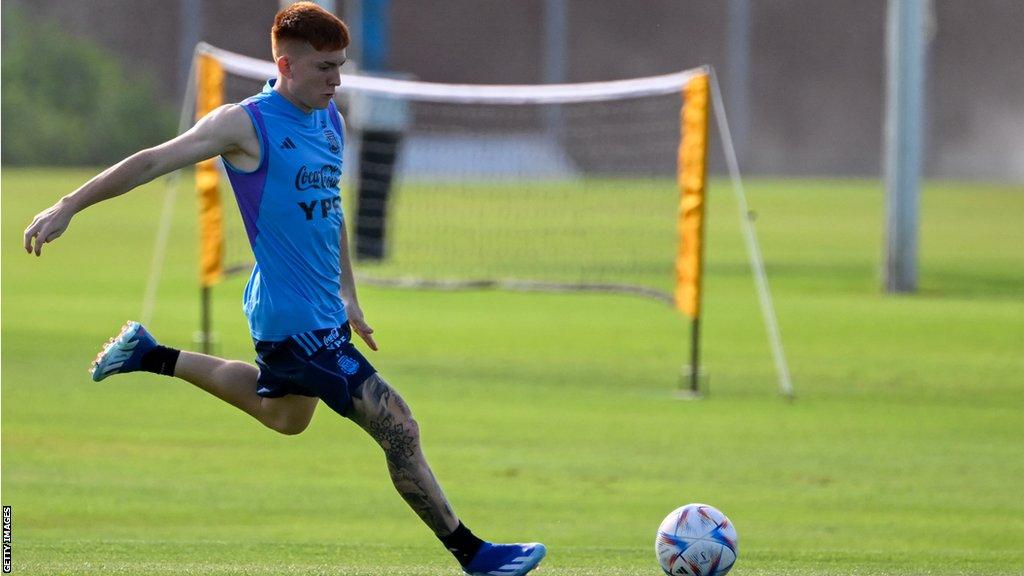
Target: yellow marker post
(209, 96)
(692, 175)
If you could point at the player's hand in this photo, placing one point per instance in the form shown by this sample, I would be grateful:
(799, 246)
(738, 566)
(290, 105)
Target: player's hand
(47, 226)
(360, 327)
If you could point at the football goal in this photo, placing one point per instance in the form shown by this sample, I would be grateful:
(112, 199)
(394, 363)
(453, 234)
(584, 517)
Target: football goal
(571, 187)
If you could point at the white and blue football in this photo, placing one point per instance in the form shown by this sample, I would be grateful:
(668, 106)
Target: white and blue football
(696, 540)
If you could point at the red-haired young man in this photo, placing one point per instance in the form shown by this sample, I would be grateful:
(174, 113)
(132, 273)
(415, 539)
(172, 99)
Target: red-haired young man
(282, 150)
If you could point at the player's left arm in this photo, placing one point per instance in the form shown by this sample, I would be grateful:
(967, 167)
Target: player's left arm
(348, 283)
(348, 294)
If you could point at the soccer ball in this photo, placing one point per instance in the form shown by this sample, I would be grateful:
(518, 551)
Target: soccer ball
(696, 540)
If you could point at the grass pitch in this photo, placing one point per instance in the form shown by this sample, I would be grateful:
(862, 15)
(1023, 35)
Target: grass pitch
(546, 417)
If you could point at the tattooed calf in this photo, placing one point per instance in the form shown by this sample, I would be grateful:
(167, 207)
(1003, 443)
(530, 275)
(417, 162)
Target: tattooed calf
(387, 418)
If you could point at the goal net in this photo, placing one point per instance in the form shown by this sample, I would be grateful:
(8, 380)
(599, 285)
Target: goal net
(562, 187)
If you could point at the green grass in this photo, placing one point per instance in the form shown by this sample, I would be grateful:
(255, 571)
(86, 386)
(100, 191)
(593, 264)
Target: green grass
(546, 416)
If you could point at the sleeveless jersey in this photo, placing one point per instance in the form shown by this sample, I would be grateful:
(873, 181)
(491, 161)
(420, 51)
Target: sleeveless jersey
(291, 208)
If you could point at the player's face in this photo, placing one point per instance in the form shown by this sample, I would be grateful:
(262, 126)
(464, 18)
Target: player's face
(315, 76)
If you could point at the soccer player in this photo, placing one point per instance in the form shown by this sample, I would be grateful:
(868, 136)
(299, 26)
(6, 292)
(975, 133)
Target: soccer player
(282, 149)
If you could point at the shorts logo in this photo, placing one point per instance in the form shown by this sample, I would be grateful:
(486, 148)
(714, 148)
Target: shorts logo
(334, 340)
(326, 177)
(348, 365)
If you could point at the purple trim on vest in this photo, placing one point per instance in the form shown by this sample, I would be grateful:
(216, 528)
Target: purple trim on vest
(333, 112)
(248, 186)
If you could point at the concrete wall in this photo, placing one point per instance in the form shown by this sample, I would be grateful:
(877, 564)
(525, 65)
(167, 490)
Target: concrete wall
(817, 68)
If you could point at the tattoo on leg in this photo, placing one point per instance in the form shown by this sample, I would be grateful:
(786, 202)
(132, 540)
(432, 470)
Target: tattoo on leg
(388, 419)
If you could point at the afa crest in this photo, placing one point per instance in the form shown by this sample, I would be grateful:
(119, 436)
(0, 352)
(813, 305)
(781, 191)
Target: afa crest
(348, 365)
(332, 141)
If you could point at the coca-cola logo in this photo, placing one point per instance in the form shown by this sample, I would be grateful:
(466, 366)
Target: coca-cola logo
(326, 177)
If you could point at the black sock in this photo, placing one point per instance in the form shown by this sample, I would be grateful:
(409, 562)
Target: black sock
(462, 544)
(160, 360)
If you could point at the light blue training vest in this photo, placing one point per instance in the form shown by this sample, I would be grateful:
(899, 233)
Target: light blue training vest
(291, 207)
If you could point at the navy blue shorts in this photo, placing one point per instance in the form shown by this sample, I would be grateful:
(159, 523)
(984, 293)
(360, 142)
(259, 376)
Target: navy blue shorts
(320, 363)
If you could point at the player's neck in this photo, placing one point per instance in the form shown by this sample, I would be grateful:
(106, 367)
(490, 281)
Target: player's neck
(282, 88)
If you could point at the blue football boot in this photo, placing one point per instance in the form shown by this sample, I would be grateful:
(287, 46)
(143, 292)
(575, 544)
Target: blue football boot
(505, 559)
(124, 352)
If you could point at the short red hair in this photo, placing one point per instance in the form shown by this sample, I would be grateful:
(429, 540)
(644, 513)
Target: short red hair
(307, 22)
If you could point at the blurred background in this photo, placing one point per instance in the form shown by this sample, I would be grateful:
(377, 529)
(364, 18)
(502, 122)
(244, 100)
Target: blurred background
(804, 81)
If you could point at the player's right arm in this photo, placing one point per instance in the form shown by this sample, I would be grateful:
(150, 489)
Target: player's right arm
(225, 130)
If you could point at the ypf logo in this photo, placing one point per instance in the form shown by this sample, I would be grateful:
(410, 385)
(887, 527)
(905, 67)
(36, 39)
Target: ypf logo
(326, 177)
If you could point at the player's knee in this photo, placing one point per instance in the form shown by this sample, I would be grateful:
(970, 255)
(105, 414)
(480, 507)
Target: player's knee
(400, 440)
(412, 429)
(288, 426)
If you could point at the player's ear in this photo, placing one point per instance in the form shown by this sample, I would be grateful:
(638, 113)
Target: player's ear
(284, 65)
